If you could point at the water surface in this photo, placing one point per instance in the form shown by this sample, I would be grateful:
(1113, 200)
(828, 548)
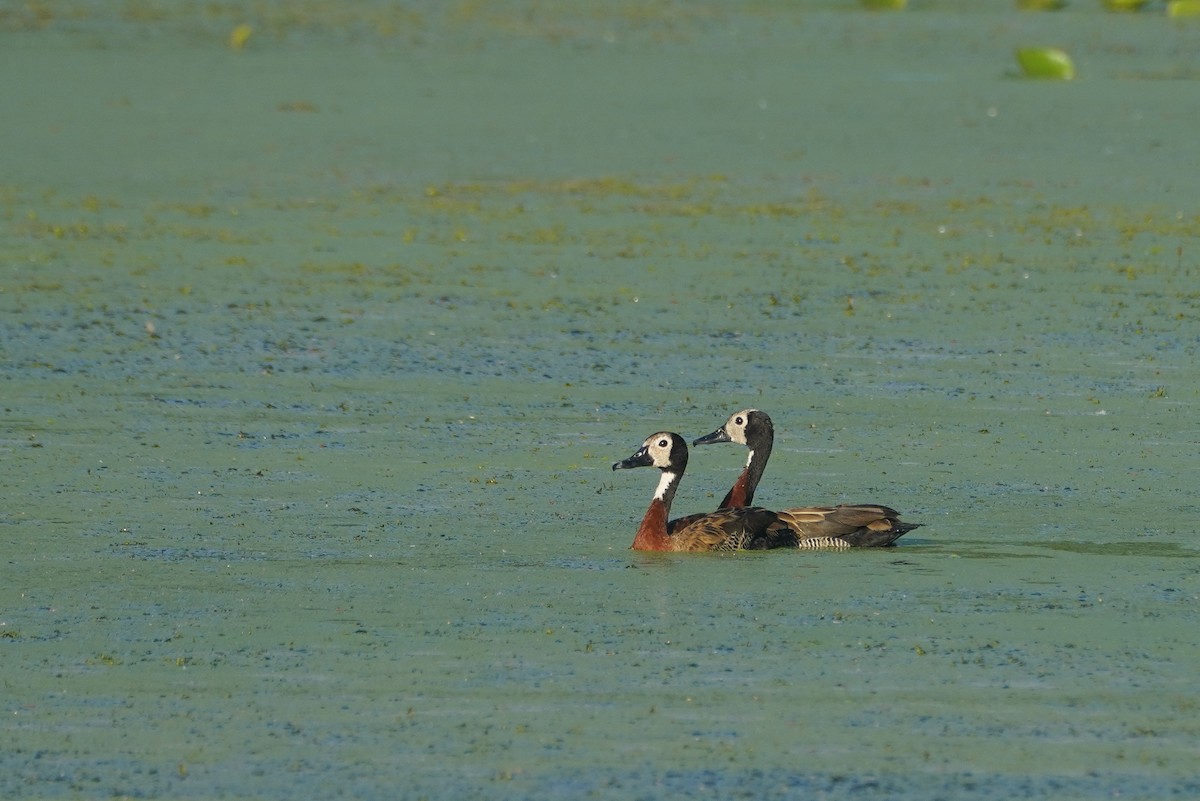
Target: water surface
(317, 354)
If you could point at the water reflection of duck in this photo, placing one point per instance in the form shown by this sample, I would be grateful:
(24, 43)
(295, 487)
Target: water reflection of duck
(844, 526)
(746, 527)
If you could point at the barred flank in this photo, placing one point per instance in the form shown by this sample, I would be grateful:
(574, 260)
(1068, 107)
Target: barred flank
(819, 543)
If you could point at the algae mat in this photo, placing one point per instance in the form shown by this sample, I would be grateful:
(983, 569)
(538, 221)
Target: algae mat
(321, 335)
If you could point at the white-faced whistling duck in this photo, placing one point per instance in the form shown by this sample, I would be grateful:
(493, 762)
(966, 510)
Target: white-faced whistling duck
(724, 530)
(848, 525)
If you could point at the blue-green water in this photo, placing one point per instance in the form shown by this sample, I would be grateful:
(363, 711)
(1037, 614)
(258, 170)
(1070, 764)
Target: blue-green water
(317, 354)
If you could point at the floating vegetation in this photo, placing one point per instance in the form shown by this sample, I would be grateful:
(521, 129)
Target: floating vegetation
(239, 36)
(1124, 6)
(1045, 62)
(302, 106)
(1183, 8)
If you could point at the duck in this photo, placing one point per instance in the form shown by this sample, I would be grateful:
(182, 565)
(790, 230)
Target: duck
(857, 525)
(744, 528)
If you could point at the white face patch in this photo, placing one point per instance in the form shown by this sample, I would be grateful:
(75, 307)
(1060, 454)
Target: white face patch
(736, 427)
(659, 447)
(665, 480)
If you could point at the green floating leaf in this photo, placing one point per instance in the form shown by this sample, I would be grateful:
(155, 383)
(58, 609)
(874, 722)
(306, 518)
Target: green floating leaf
(1124, 5)
(1183, 8)
(1045, 62)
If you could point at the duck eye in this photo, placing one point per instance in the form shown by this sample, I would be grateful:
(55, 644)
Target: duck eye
(662, 443)
(739, 421)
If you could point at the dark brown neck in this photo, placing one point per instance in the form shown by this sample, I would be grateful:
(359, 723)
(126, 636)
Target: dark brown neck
(652, 533)
(740, 495)
(742, 492)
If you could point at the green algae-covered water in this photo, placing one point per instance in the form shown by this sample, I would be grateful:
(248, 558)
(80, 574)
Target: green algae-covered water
(318, 346)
